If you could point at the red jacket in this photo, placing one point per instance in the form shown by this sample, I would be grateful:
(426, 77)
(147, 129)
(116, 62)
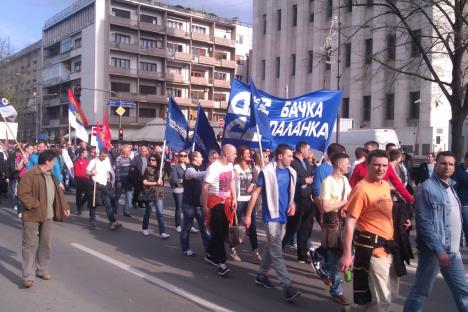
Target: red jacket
(360, 172)
(79, 167)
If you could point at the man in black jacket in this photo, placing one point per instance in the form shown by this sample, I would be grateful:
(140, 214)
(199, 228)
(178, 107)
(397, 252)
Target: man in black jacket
(139, 163)
(301, 223)
(426, 168)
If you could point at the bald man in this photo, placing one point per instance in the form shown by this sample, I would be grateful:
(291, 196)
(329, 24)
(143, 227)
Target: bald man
(217, 191)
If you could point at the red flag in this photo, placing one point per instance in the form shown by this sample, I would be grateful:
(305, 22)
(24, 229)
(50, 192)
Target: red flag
(106, 129)
(101, 138)
(76, 104)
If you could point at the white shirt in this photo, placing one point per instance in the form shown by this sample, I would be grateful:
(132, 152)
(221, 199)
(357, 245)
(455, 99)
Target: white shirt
(103, 169)
(219, 178)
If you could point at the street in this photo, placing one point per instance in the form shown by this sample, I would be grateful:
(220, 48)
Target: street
(100, 270)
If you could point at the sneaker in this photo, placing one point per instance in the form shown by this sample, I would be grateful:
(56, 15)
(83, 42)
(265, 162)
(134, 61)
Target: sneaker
(291, 293)
(264, 281)
(210, 260)
(164, 236)
(234, 255)
(115, 226)
(92, 224)
(189, 253)
(45, 276)
(315, 260)
(145, 232)
(256, 257)
(194, 230)
(340, 299)
(27, 283)
(223, 269)
(178, 229)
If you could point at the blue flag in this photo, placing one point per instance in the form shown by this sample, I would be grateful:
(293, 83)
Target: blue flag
(176, 127)
(259, 115)
(204, 137)
(309, 117)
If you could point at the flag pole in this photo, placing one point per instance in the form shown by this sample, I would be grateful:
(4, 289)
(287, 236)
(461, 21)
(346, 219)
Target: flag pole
(11, 132)
(260, 144)
(162, 161)
(69, 132)
(196, 126)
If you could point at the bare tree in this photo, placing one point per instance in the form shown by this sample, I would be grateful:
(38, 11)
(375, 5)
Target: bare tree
(5, 50)
(445, 36)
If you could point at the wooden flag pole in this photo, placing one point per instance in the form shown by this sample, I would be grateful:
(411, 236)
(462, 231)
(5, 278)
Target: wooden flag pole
(94, 194)
(162, 161)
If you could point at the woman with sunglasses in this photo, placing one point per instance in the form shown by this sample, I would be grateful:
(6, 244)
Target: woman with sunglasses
(153, 196)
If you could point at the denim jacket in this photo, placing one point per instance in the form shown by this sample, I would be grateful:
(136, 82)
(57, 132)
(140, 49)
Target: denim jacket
(433, 215)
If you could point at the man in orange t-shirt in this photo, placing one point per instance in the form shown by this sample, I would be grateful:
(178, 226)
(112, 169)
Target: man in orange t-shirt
(369, 212)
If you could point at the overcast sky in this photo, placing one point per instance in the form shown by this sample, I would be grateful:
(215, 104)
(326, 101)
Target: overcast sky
(22, 22)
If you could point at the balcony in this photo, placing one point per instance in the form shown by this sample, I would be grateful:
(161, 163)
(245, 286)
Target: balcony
(155, 98)
(207, 103)
(177, 32)
(224, 42)
(221, 83)
(150, 74)
(228, 63)
(122, 21)
(183, 101)
(181, 56)
(113, 70)
(207, 60)
(129, 47)
(201, 37)
(52, 60)
(175, 78)
(152, 27)
(200, 81)
(155, 51)
(129, 96)
(56, 80)
(219, 104)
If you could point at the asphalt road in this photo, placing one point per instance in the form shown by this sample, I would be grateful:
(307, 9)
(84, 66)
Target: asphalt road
(101, 270)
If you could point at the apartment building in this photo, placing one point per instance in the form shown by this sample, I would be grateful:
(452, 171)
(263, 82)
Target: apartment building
(289, 59)
(19, 76)
(137, 51)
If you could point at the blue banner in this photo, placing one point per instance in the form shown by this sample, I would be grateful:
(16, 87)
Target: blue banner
(176, 127)
(204, 137)
(259, 114)
(309, 117)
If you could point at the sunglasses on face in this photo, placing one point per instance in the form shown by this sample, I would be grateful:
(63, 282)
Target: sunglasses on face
(153, 160)
(182, 155)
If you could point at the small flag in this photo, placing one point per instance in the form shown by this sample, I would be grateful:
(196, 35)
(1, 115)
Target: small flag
(259, 114)
(74, 103)
(6, 110)
(204, 137)
(176, 127)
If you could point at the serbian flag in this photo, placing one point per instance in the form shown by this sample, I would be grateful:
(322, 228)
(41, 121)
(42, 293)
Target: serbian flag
(106, 130)
(74, 103)
(99, 137)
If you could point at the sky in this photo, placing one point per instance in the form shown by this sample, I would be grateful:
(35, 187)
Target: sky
(23, 20)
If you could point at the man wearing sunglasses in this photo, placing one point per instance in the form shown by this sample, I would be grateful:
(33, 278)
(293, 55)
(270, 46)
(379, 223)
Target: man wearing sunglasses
(177, 176)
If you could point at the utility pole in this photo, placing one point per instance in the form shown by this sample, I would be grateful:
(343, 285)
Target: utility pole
(338, 74)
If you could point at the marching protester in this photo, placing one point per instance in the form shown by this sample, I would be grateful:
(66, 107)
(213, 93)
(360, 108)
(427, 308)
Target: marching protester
(152, 195)
(122, 182)
(360, 153)
(191, 203)
(177, 175)
(461, 178)
(82, 182)
(219, 203)
(139, 164)
(301, 222)
(426, 169)
(67, 169)
(334, 193)
(439, 229)
(42, 200)
(276, 184)
(244, 178)
(103, 176)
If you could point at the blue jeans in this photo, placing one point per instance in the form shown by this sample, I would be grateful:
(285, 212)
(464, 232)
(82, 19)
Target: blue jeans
(330, 268)
(252, 231)
(104, 194)
(191, 212)
(120, 187)
(178, 198)
(465, 223)
(428, 267)
(158, 205)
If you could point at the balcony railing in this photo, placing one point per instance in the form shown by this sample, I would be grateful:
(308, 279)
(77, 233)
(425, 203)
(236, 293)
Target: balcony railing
(133, 47)
(183, 100)
(221, 83)
(199, 81)
(175, 78)
(152, 27)
(177, 32)
(207, 60)
(129, 96)
(201, 37)
(224, 41)
(182, 56)
(117, 20)
(150, 74)
(228, 63)
(122, 71)
(155, 51)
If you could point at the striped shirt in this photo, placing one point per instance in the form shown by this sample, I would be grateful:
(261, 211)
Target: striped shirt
(122, 165)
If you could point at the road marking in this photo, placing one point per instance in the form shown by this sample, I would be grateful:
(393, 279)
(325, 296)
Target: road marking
(158, 282)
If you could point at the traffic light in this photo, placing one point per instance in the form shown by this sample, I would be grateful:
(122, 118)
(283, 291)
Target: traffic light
(120, 134)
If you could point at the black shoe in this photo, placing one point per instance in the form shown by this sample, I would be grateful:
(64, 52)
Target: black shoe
(92, 224)
(210, 260)
(127, 215)
(115, 226)
(291, 293)
(264, 281)
(223, 269)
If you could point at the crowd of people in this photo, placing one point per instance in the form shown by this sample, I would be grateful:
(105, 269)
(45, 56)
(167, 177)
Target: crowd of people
(365, 210)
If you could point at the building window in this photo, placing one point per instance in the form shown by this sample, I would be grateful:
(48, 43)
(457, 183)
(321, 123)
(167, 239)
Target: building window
(120, 38)
(147, 43)
(77, 67)
(144, 89)
(77, 43)
(146, 66)
(278, 15)
(311, 11)
(173, 92)
(199, 29)
(366, 109)
(120, 87)
(294, 15)
(414, 104)
(390, 106)
(310, 61)
(391, 46)
(278, 65)
(148, 19)
(220, 76)
(120, 13)
(348, 54)
(264, 23)
(263, 69)
(119, 62)
(416, 43)
(345, 108)
(349, 5)
(145, 112)
(175, 24)
(368, 50)
(239, 39)
(293, 64)
(329, 8)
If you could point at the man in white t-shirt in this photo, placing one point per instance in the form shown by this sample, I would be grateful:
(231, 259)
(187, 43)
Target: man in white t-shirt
(101, 171)
(219, 191)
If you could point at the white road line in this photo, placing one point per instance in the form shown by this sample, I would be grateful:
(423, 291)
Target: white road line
(159, 282)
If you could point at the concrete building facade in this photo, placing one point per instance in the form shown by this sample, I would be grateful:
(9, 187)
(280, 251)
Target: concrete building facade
(290, 58)
(138, 51)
